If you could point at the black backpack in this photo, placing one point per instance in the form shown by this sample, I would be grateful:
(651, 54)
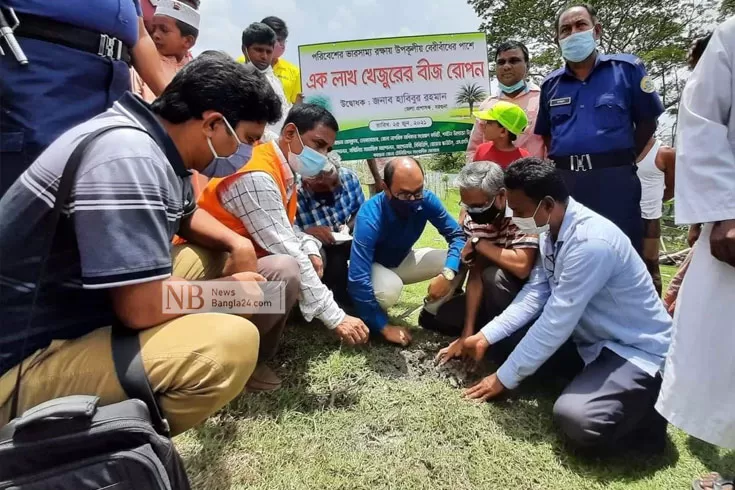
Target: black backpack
(72, 443)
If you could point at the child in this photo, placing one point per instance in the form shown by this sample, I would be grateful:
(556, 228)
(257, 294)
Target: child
(503, 122)
(174, 29)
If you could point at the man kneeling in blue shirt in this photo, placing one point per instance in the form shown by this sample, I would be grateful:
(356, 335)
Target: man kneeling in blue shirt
(382, 259)
(591, 287)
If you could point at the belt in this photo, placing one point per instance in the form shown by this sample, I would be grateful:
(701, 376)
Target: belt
(592, 161)
(45, 29)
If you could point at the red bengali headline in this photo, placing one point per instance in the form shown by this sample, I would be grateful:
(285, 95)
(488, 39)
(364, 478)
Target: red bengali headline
(392, 75)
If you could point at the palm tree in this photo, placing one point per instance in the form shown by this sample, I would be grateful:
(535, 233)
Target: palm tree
(470, 94)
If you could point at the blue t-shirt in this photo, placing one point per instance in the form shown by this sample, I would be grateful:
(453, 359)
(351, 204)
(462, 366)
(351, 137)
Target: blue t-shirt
(116, 18)
(382, 237)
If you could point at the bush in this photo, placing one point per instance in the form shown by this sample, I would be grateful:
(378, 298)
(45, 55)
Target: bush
(447, 162)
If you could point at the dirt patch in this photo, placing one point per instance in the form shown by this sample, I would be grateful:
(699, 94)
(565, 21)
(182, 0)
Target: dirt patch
(420, 363)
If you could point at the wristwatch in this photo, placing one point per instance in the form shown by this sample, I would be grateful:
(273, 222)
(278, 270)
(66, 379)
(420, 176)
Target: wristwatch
(474, 242)
(448, 274)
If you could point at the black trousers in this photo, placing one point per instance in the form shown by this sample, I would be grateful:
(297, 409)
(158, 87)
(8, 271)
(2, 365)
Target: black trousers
(336, 259)
(607, 405)
(499, 288)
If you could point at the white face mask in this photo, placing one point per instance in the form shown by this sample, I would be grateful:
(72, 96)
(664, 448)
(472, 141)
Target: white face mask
(528, 226)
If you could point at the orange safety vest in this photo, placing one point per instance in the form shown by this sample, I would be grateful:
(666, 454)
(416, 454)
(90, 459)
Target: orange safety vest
(266, 159)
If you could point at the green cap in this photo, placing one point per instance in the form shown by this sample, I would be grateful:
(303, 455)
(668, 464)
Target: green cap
(507, 114)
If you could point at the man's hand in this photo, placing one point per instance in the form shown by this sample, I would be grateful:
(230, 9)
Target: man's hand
(352, 331)
(439, 287)
(316, 261)
(321, 233)
(453, 351)
(242, 257)
(250, 289)
(396, 335)
(722, 241)
(693, 235)
(475, 347)
(486, 389)
(468, 253)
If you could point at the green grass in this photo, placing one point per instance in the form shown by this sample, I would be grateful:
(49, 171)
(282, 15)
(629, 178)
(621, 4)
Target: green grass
(383, 417)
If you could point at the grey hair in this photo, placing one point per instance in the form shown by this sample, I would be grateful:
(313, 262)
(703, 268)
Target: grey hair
(487, 176)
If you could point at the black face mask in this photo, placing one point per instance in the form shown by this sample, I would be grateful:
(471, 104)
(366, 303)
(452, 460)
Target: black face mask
(486, 217)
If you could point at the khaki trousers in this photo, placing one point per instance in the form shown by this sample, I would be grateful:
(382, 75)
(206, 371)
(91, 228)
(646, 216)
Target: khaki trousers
(196, 364)
(420, 265)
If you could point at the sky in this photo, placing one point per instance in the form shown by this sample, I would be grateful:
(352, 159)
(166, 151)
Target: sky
(319, 21)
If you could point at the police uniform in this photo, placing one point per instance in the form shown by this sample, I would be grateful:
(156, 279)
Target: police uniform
(79, 55)
(592, 128)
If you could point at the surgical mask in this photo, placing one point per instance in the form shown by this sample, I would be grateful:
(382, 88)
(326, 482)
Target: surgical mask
(528, 226)
(406, 208)
(308, 163)
(224, 166)
(579, 46)
(509, 89)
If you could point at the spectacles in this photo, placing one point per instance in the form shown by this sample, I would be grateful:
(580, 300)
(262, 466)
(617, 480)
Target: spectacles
(410, 196)
(477, 209)
(512, 61)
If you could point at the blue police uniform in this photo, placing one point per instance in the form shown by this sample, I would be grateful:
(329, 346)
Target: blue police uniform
(62, 85)
(592, 128)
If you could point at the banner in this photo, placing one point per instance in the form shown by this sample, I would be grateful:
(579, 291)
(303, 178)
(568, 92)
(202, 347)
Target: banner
(398, 96)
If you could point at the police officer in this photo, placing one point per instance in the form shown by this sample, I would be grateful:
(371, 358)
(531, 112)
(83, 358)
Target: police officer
(79, 55)
(596, 115)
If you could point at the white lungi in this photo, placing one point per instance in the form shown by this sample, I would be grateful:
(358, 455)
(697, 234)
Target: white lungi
(698, 392)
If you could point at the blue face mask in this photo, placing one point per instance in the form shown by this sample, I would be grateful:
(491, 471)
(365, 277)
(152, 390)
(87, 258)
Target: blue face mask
(509, 89)
(308, 163)
(224, 166)
(405, 208)
(579, 46)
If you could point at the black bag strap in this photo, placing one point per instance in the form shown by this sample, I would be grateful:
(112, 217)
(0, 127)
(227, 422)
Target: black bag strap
(131, 373)
(125, 345)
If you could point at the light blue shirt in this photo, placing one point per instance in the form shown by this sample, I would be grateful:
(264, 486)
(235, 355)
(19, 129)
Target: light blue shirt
(590, 285)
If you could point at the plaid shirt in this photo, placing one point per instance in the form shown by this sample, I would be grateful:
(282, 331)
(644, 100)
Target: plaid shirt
(347, 201)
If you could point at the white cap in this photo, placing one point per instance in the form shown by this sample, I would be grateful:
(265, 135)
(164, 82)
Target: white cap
(179, 11)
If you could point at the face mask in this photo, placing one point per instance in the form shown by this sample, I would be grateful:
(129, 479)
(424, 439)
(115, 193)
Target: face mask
(308, 163)
(579, 46)
(406, 209)
(509, 89)
(224, 166)
(528, 226)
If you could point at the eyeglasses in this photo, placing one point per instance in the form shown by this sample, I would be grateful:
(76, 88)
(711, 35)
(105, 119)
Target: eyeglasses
(512, 61)
(410, 196)
(477, 209)
(550, 263)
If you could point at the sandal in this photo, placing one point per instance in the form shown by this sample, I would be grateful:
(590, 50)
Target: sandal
(718, 483)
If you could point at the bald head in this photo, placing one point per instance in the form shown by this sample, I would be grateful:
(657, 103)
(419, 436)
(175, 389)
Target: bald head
(403, 175)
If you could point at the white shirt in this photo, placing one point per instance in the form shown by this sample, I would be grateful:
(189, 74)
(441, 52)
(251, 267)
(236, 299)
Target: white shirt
(705, 163)
(255, 198)
(653, 184)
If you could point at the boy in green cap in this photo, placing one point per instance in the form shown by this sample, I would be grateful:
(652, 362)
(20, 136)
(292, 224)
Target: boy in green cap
(503, 122)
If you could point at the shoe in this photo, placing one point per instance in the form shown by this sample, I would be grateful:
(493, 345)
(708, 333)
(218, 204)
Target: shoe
(263, 379)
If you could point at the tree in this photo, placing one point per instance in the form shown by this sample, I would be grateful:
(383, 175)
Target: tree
(471, 94)
(658, 31)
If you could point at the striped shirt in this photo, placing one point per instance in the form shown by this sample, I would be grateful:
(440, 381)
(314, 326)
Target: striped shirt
(347, 199)
(130, 193)
(507, 235)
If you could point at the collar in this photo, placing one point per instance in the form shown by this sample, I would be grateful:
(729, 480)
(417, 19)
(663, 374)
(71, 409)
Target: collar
(601, 58)
(287, 172)
(567, 224)
(137, 109)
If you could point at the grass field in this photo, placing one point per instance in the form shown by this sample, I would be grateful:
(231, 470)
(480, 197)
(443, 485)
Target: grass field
(383, 417)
